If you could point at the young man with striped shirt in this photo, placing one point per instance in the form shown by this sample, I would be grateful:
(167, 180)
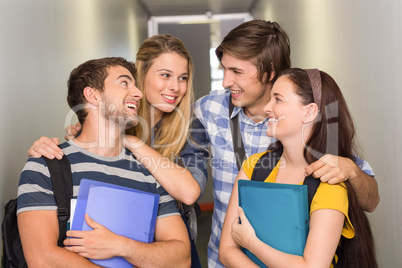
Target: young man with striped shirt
(105, 98)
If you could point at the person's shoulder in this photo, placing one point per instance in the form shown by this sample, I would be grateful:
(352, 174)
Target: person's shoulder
(69, 147)
(34, 172)
(215, 103)
(64, 145)
(34, 164)
(331, 194)
(339, 188)
(251, 161)
(258, 155)
(136, 166)
(75, 153)
(215, 96)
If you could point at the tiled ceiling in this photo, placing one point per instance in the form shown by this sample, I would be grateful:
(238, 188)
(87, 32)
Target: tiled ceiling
(196, 7)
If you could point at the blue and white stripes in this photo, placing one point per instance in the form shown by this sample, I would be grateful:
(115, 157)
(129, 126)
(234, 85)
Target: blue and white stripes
(35, 188)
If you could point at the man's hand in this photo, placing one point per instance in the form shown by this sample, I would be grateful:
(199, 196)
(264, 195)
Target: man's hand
(336, 169)
(100, 243)
(333, 169)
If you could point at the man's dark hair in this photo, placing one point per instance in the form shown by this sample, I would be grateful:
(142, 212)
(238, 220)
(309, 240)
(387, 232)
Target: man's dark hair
(265, 43)
(93, 74)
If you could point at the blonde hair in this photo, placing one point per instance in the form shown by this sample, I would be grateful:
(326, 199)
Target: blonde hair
(170, 138)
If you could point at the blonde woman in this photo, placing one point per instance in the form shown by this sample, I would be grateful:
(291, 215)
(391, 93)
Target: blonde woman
(164, 75)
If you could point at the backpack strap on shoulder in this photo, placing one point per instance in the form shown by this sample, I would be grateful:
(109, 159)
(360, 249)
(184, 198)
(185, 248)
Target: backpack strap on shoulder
(312, 186)
(238, 146)
(265, 165)
(60, 174)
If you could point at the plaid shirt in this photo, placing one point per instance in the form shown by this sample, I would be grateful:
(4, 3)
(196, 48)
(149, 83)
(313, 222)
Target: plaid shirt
(212, 111)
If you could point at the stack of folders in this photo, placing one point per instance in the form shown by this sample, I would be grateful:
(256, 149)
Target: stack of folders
(124, 211)
(278, 213)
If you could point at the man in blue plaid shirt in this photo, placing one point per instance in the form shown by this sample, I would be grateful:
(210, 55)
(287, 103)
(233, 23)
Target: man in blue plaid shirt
(252, 55)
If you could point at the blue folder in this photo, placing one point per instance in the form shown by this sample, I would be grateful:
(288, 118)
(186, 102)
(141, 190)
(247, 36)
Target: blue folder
(278, 213)
(124, 211)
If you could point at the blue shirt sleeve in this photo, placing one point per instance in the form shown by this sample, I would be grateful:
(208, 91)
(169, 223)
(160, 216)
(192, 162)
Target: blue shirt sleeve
(364, 166)
(195, 154)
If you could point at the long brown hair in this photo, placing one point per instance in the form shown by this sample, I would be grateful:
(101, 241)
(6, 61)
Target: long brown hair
(334, 133)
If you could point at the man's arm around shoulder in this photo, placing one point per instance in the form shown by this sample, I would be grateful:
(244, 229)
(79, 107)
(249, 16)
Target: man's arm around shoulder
(366, 189)
(336, 169)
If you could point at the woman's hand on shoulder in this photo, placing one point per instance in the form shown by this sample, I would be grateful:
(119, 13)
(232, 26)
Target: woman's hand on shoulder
(72, 131)
(46, 147)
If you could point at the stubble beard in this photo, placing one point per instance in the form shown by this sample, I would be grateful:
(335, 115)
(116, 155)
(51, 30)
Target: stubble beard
(118, 117)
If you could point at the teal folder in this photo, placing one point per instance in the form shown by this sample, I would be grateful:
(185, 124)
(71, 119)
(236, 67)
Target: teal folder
(124, 211)
(279, 214)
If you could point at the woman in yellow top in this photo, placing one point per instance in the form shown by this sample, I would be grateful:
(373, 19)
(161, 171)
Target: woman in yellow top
(305, 105)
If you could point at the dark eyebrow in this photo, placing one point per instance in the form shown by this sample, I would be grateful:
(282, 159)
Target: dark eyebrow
(125, 76)
(277, 94)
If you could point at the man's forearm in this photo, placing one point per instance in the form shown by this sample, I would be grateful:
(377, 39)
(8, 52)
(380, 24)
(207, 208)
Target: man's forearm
(58, 258)
(39, 234)
(336, 169)
(173, 253)
(366, 189)
(175, 179)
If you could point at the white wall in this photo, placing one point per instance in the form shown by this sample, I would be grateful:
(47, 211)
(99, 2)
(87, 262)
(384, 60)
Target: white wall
(358, 43)
(41, 42)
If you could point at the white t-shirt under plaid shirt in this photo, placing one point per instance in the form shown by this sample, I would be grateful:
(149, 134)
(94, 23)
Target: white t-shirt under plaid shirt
(213, 113)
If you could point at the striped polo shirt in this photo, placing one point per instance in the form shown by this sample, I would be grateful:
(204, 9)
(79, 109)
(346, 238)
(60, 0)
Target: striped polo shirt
(35, 190)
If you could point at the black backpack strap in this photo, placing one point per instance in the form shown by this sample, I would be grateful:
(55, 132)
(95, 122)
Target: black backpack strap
(238, 146)
(60, 174)
(265, 165)
(312, 186)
